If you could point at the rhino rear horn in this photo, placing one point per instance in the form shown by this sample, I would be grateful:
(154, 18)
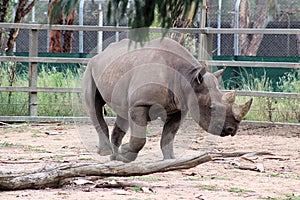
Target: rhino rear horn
(240, 111)
(229, 97)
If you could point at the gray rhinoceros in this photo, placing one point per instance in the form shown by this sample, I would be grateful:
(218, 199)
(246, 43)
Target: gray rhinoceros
(159, 79)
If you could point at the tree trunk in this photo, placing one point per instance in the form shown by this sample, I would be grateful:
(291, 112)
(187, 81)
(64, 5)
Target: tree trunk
(261, 18)
(61, 41)
(21, 12)
(53, 175)
(3, 12)
(249, 44)
(244, 21)
(68, 35)
(183, 21)
(55, 35)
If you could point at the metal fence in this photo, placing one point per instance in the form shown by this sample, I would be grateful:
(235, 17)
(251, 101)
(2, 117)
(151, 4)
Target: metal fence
(281, 37)
(33, 88)
(285, 14)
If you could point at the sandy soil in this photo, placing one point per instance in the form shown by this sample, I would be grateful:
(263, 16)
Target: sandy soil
(252, 176)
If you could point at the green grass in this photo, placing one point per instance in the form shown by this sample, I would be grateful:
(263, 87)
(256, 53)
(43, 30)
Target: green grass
(8, 144)
(269, 108)
(49, 104)
(136, 188)
(288, 197)
(209, 187)
(72, 104)
(144, 178)
(25, 147)
(239, 190)
(207, 178)
(292, 176)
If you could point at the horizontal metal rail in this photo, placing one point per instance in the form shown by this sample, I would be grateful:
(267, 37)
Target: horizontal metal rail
(269, 94)
(288, 65)
(252, 31)
(126, 29)
(44, 59)
(38, 89)
(79, 90)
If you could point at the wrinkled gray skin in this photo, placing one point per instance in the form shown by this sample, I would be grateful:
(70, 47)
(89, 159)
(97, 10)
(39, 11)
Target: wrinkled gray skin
(161, 79)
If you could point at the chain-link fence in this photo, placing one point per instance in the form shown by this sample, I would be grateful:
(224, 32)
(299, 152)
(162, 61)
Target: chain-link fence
(284, 14)
(281, 14)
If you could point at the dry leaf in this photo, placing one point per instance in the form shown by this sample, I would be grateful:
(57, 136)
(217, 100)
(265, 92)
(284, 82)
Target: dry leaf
(53, 133)
(24, 194)
(121, 192)
(199, 196)
(147, 190)
(82, 182)
(260, 167)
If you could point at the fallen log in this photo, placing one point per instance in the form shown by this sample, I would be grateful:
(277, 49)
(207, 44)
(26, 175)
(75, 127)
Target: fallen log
(53, 175)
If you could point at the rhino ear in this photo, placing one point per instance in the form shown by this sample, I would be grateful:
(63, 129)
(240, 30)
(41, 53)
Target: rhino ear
(218, 74)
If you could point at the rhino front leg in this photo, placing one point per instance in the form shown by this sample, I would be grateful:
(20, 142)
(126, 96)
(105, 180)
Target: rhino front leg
(137, 123)
(171, 127)
(119, 131)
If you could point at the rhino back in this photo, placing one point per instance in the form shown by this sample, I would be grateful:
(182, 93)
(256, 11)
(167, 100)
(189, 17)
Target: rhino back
(127, 75)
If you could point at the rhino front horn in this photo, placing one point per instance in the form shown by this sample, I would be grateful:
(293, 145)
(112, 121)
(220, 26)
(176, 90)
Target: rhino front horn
(240, 111)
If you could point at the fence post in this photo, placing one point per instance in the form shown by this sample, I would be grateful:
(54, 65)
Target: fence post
(33, 71)
(205, 52)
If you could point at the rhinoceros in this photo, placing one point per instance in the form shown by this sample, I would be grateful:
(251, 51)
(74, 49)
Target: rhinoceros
(159, 79)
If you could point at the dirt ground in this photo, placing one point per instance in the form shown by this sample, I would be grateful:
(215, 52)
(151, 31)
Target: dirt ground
(269, 168)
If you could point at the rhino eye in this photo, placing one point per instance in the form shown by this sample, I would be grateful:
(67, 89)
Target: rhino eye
(200, 75)
(200, 78)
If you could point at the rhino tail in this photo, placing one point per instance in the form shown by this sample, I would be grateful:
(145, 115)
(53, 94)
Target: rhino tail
(95, 104)
(93, 98)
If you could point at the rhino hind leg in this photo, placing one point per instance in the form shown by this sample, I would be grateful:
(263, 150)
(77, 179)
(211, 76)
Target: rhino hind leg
(119, 131)
(101, 127)
(137, 123)
(170, 128)
(95, 103)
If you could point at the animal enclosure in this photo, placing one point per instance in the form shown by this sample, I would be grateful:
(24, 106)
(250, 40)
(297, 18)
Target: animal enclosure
(269, 106)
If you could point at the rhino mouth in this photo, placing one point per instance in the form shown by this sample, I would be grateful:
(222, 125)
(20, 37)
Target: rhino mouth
(225, 133)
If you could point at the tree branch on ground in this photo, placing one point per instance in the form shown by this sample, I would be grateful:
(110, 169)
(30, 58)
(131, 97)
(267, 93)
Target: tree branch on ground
(53, 175)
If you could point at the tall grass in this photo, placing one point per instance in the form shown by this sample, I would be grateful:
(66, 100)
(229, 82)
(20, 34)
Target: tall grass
(70, 104)
(49, 104)
(59, 104)
(269, 108)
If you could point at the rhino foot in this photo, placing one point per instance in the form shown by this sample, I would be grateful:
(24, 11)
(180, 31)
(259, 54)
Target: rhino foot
(125, 155)
(105, 151)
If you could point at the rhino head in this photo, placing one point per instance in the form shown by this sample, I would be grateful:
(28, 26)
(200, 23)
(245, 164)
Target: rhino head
(215, 111)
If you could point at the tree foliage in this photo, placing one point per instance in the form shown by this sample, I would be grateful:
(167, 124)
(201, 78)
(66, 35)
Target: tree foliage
(58, 43)
(143, 12)
(23, 8)
(65, 7)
